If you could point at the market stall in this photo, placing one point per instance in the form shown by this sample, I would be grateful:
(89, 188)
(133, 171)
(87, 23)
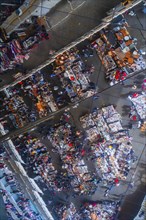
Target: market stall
(99, 210)
(31, 32)
(39, 89)
(67, 212)
(109, 142)
(70, 67)
(118, 53)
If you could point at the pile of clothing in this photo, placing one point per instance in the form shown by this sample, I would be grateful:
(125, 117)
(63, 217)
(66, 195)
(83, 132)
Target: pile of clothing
(110, 144)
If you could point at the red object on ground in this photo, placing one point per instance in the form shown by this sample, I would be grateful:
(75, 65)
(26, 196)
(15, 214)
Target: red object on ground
(135, 95)
(20, 83)
(117, 76)
(82, 152)
(116, 180)
(72, 78)
(70, 144)
(123, 76)
(68, 157)
(134, 118)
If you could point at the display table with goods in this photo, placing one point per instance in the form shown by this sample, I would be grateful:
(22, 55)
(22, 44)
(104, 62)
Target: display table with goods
(99, 210)
(38, 89)
(11, 54)
(16, 204)
(66, 212)
(138, 109)
(64, 139)
(89, 210)
(33, 32)
(118, 53)
(70, 66)
(110, 144)
(16, 108)
(35, 90)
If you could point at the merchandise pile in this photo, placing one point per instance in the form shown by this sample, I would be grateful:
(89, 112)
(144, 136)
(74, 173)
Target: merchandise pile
(93, 210)
(11, 54)
(110, 144)
(72, 72)
(118, 53)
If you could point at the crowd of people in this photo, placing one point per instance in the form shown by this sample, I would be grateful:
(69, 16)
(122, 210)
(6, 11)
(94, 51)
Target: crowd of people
(66, 142)
(17, 205)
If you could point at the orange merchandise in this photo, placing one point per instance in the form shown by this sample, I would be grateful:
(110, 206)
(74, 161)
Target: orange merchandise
(143, 127)
(40, 106)
(120, 37)
(94, 216)
(124, 32)
(130, 60)
(128, 54)
(34, 91)
(128, 43)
